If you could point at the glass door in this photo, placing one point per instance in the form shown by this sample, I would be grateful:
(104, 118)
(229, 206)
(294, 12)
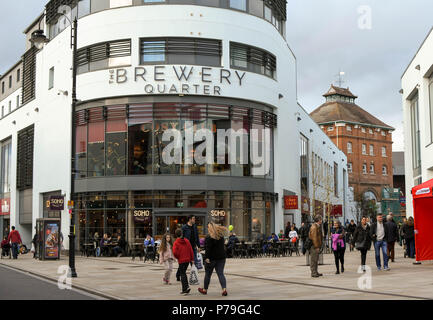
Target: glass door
(169, 223)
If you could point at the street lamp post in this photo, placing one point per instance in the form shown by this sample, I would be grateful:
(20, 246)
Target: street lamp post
(39, 39)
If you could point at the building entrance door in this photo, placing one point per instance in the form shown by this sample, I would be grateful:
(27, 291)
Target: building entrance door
(170, 222)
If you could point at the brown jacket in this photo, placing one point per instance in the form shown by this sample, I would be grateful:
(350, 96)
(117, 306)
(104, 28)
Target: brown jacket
(316, 235)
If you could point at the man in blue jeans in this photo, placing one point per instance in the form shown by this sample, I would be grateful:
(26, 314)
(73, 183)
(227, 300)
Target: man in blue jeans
(190, 232)
(379, 236)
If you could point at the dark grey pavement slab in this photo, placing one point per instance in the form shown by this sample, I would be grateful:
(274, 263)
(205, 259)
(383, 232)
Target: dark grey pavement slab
(15, 285)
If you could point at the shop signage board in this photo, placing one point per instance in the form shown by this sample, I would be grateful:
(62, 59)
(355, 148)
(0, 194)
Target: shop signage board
(5, 206)
(141, 215)
(57, 203)
(290, 202)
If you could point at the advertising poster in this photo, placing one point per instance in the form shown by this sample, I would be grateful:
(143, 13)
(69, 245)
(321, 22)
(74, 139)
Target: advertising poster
(5, 206)
(51, 240)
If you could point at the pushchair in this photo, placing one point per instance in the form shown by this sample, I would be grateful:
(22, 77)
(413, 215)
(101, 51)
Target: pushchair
(6, 251)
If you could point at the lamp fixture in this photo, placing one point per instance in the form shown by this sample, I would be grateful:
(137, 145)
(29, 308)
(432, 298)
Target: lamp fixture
(38, 38)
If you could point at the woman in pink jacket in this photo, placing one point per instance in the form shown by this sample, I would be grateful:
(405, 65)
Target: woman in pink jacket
(166, 257)
(338, 245)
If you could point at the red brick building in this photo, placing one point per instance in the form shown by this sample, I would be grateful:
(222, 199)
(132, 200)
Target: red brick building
(365, 140)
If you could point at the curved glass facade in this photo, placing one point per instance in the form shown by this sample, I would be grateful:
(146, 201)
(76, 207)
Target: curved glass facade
(134, 214)
(273, 11)
(138, 139)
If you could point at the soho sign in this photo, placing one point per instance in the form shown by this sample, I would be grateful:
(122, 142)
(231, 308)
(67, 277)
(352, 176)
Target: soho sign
(178, 79)
(218, 213)
(141, 213)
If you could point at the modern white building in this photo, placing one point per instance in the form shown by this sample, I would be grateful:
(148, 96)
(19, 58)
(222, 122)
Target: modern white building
(417, 92)
(145, 67)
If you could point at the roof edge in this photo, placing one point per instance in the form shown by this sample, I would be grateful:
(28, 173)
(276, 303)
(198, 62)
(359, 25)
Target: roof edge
(356, 123)
(10, 69)
(422, 44)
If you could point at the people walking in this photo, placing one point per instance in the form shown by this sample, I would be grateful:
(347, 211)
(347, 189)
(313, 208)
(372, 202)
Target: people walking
(15, 239)
(362, 240)
(190, 232)
(391, 236)
(166, 257)
(182, 251)
(316, 237)
(409, 237)
(215, 257)
(338, 236)
(379, 234)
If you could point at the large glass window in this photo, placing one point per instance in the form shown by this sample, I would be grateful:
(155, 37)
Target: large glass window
(252, 59)
(304, 165)
(96, 147)
(195, 51)
(239, 4)
(81, 151)
(5, 172)
(416, 144)
(430, 88)
(174, 138)
(116, 147)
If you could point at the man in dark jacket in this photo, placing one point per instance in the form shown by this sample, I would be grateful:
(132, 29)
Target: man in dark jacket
(379, 234)
(190, 232)
(391, 236)
(303, 234)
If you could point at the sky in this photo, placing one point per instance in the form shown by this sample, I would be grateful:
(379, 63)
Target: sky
(371, 41)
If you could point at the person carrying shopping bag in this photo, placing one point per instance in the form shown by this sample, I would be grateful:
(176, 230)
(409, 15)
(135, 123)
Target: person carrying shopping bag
(215, 257)
(166, 257)
(182, 251)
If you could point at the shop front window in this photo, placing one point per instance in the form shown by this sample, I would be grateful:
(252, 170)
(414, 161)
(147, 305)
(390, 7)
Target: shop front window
(81, 152)
(174, 139)
(116, 147)
(96, 148)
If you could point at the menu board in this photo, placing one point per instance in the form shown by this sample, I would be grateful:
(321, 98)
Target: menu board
(51, 242)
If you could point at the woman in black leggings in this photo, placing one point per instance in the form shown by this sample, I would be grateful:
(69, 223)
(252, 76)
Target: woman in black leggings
(215, 257)
(362, 240)
(338, 236)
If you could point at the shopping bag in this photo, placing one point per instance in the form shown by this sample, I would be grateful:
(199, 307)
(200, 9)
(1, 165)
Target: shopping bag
(199, 261)
(193, 276)
(33, 248)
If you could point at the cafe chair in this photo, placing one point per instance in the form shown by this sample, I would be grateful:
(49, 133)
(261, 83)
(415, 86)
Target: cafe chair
(135, 251)
(150, 253)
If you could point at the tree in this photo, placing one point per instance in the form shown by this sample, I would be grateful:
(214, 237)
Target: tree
(365, 207)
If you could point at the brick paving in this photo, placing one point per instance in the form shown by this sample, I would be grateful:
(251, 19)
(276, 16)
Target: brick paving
(262, 278)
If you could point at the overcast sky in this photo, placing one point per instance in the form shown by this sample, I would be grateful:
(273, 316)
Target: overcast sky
(326, 38)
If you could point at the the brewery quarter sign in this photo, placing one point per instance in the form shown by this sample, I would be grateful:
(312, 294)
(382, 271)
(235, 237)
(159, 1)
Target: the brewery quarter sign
(179, 79)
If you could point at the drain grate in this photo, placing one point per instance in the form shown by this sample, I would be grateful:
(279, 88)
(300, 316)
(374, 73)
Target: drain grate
(111, 268)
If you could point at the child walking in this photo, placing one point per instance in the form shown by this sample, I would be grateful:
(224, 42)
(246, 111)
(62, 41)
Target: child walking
(166, 257)
(182, 251)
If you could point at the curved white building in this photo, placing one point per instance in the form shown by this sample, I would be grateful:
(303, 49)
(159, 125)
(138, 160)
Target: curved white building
(145, 67)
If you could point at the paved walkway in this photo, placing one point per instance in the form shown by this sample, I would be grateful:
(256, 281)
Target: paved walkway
(262, 278)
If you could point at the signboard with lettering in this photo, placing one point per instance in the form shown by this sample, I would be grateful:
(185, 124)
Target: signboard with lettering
(141, 215)
(57, 203)
(337, 210)
(178, 80)
(290, 202)
(5, 206)
(218, 213)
